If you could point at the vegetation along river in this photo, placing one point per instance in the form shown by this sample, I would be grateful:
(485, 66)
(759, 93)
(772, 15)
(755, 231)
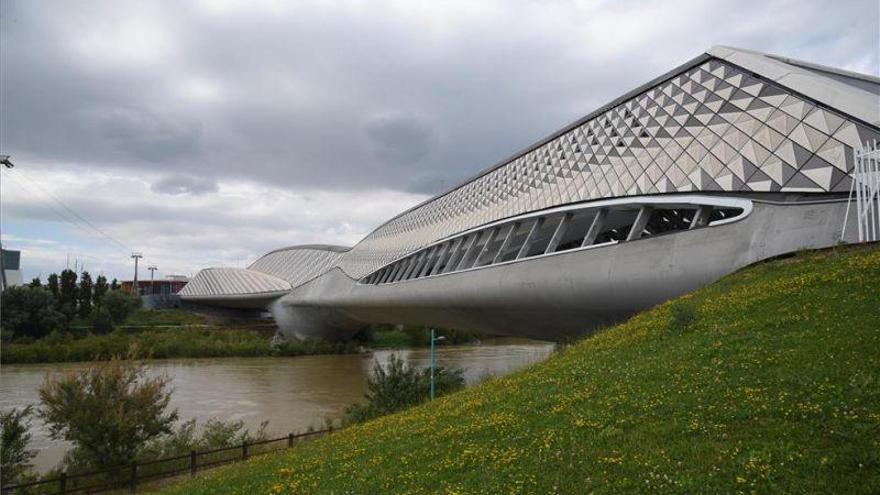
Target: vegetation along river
(292, 393)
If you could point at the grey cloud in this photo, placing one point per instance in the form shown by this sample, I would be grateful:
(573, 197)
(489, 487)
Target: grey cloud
(298, 91)
(400, 138)
(147, 136)
(184, 184)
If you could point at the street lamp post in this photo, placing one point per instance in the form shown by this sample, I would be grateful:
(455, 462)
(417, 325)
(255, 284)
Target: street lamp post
(434, 339)
(152, 269)
(134, 286)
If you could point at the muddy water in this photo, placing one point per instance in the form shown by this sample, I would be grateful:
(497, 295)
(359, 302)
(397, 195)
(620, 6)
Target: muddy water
(291, 393)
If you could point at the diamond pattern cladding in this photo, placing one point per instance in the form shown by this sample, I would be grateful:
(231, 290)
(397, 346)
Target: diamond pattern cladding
(711, 128)
(296, 265)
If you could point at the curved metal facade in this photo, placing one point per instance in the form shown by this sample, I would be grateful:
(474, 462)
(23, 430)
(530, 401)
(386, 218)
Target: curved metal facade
(714, 127)
(232, 281)
(299, 264)
(728, 123)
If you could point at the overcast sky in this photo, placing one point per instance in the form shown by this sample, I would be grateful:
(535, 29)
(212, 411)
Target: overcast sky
(208, 132)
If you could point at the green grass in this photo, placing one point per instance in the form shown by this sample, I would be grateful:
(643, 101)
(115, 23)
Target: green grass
(391, 339)
(165, 317)
(766, 381)
(144, 317)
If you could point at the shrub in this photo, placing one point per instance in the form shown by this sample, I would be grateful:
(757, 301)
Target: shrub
(99, 290)
(15, 457)
(29, 312)
(109, 411)
(120, 305)
(418, 335)
(101, 321)
(399, 386)
(215, 434)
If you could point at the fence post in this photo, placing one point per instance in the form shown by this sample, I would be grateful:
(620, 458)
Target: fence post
(244, 450)
(132, 483)
(62, 483)
(192, 463)
(289, 440)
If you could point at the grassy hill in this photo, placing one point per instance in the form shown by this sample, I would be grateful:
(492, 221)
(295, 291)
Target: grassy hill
(766, 381)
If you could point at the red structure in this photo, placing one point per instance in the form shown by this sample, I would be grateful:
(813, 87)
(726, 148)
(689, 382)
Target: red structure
(170, 285)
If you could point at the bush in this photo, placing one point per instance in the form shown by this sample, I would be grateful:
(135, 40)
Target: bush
(29, 312)
(215, 434)
(15, 457)
(101, 322)
(412, 335)
(418, 335)
(109, 411)
(120, 305)
(400, 386)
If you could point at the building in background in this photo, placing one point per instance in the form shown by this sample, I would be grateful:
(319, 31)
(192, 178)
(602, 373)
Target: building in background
(11, 266)
(171, 284)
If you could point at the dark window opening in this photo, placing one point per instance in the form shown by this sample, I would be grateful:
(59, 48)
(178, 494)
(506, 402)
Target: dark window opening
(541, 238)
(576, 231)
(669, 220)
(724, 213)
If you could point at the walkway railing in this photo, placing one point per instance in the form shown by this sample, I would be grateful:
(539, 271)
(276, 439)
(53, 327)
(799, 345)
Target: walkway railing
(131, 476)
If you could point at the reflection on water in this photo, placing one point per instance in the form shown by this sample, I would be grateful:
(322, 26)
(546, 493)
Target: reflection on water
(291, 393)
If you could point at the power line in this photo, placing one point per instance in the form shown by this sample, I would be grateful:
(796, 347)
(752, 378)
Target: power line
(94, 227)
(55, 210)
(115, 243)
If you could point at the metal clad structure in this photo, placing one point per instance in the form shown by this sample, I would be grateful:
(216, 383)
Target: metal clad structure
(778, 134)
(299, 264)
(231, 281)
(713, 127)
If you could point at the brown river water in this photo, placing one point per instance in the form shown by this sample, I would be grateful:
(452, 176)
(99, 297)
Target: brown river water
(291, 393)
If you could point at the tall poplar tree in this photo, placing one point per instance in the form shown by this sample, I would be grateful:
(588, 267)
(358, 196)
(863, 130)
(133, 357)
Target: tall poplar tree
(85, 294)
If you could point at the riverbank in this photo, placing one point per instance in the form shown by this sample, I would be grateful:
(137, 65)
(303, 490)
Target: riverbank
(762, 382)
(166, 334)
(169, 334)
(292, 394)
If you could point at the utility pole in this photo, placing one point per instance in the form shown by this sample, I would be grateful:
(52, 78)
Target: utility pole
(152, 269)
(2, 270)
(134, 286)
(4, 160)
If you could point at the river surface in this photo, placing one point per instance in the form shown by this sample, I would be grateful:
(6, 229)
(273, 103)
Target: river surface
(291, 393)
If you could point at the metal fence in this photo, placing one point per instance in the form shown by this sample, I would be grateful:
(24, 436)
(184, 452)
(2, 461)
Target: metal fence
(129, 477)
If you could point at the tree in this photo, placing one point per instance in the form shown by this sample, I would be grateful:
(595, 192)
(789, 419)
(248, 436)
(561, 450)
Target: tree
(120, 305)
(52, 282)
(29, 312)
(114, 285)
(15, 457)
(398, 386)
(99, 291)
(109, 411)
(35, 283)
(85, 294)
(68, 295)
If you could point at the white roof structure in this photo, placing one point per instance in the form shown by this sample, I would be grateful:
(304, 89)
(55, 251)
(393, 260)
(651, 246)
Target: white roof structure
(729, 121)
